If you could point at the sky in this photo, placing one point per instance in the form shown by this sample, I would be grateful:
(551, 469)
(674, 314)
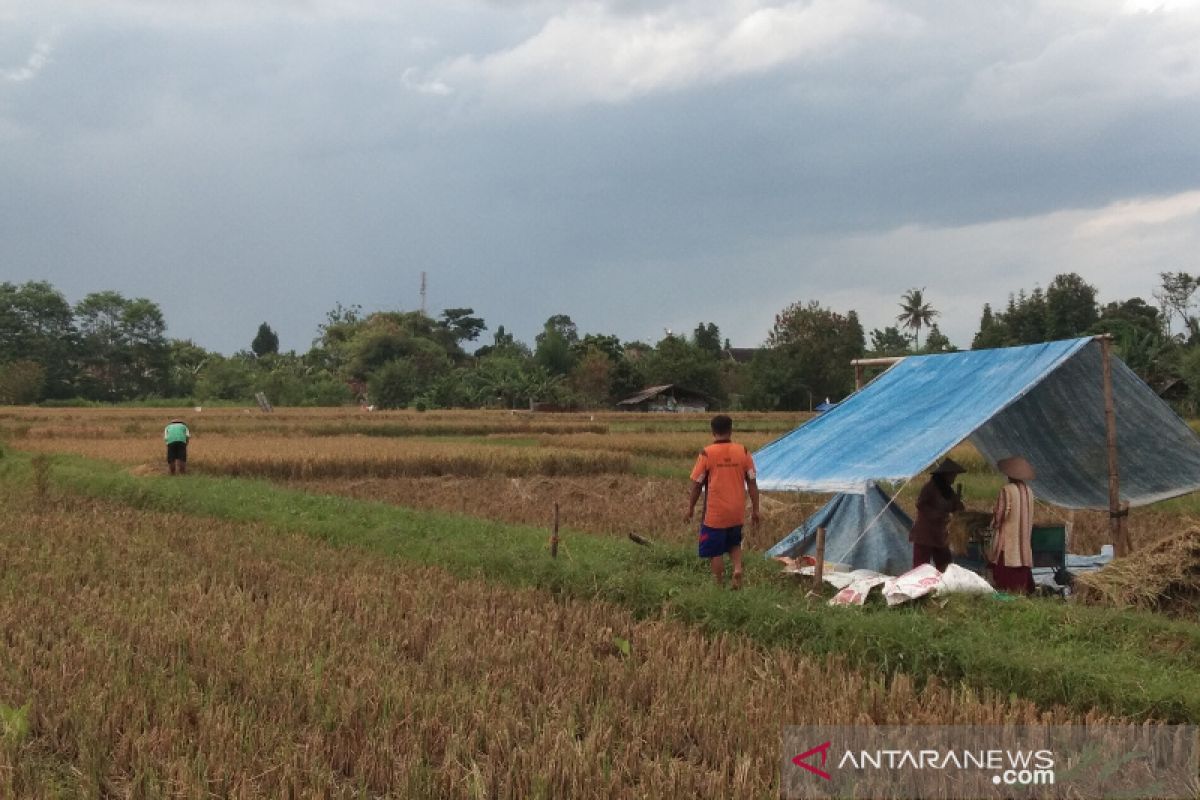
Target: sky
(640, 165)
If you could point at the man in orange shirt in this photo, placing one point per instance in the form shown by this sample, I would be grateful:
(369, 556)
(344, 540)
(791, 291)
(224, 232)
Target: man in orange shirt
(724, 471)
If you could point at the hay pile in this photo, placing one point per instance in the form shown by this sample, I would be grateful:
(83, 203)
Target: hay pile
(1161, 576)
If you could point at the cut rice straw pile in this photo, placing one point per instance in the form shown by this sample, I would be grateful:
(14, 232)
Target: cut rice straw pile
(1161, 576)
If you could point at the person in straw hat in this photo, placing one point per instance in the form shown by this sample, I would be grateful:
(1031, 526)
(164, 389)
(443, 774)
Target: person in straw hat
(1011, 555)
(930, 534)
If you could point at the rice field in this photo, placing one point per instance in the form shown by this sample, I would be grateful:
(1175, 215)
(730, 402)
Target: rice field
(296, 458)
(152, 655)
(611, 473)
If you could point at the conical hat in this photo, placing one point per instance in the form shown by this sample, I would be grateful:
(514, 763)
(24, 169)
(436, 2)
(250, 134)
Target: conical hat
(1016, 468)
(948, 466)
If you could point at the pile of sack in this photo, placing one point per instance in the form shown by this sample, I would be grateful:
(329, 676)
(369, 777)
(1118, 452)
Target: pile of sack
(855, 585)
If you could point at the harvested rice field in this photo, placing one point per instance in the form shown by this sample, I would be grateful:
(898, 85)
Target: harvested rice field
(153, 654)
(338, 603)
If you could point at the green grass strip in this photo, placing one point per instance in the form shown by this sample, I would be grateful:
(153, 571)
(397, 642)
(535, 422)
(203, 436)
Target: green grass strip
(1128, 663)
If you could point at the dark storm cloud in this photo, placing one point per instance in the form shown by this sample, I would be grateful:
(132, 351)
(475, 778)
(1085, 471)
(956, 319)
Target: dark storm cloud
(636, 165)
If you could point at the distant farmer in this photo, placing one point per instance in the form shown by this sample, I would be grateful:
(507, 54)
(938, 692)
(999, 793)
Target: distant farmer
(724, 471)
(177, 435)
(1011, 556)
(930, 534)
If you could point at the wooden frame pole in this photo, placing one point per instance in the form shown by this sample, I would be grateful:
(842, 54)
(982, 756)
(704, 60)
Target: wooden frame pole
(554, 537)
(1116, 514)
(819, 570)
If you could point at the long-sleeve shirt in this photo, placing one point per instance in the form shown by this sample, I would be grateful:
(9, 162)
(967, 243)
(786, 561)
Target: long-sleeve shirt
(932, 527)
(1013, 523)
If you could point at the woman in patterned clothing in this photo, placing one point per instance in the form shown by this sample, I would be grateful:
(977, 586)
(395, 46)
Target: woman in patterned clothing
(1011, 556)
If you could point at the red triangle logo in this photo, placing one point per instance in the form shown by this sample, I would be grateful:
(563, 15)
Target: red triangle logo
(823, 749)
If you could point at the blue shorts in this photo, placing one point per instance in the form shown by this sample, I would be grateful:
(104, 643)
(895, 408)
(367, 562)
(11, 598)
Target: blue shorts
(716, 542)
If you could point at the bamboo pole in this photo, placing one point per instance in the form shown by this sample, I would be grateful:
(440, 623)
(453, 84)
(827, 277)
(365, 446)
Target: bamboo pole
(1116, 514)
(859, 365)
(554, 536)
(819, 572)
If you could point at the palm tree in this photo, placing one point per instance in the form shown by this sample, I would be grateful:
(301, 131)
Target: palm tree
(915, 312)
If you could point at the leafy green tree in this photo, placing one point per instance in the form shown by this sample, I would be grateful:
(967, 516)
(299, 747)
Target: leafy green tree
(915, 313)
(461, 324)
(1140, 339)
(591, 377)
(125, 351)
(498, 380)
(1176, 295)
(341, 325)
(677, 361)
(21, 382)
(386, 336)
(707, 338)
(222, 378)
(449, 390)
(808, 355)
(1070, 307)
(37, 324)
(627, 378)
(553, 352)
(539, 385)
(993, 331)
(323, 389)
(889, 342)
(266, 341)
(393, 385)
(561, 324)
(735, 381)
(1025, 317)
(609, 345)
(186, 360)
(504, 343)
(938, 342)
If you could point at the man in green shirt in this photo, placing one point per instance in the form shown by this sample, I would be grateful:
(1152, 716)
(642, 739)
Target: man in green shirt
(177, 436)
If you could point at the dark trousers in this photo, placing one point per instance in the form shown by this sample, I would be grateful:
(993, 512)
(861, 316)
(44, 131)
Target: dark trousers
(923, 554)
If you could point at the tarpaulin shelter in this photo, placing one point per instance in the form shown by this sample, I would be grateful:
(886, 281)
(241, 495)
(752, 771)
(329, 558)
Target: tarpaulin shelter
(845, 518)
(1045, 402)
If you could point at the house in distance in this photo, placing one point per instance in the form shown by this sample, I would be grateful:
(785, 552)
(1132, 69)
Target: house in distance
(666, 398)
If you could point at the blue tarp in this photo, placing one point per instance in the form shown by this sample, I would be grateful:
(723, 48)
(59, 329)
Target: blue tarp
(1044, 402)
(885, 547)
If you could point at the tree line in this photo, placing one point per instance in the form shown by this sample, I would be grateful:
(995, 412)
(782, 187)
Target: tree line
(109, 348)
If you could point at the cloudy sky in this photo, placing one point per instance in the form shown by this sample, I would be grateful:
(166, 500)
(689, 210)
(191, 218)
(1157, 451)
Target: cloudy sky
(637, 164)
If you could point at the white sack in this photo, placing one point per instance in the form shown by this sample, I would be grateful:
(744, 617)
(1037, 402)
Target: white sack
(912, 584)
(956, 580)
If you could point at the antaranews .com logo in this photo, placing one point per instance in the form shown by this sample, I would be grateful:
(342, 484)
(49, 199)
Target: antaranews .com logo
(1007, 767)
(990, 761)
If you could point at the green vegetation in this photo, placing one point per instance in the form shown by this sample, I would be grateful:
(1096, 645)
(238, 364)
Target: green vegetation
(1128, 663)
(111, 349)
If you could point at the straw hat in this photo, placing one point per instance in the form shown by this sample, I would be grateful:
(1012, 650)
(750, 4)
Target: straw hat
(176, 419)
(1016, 468)
(948, 467)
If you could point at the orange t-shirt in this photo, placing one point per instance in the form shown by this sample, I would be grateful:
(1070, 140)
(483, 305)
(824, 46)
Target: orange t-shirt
(724, 467)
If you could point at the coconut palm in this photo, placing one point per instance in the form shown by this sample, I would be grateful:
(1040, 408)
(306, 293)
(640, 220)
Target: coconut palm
(915, 312)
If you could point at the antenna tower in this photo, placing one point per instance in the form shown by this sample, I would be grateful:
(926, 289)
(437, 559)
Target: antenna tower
(423, 293)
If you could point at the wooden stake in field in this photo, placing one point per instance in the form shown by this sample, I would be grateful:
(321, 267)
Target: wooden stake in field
(554, 536)
(819, 571)
(1116, 514)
